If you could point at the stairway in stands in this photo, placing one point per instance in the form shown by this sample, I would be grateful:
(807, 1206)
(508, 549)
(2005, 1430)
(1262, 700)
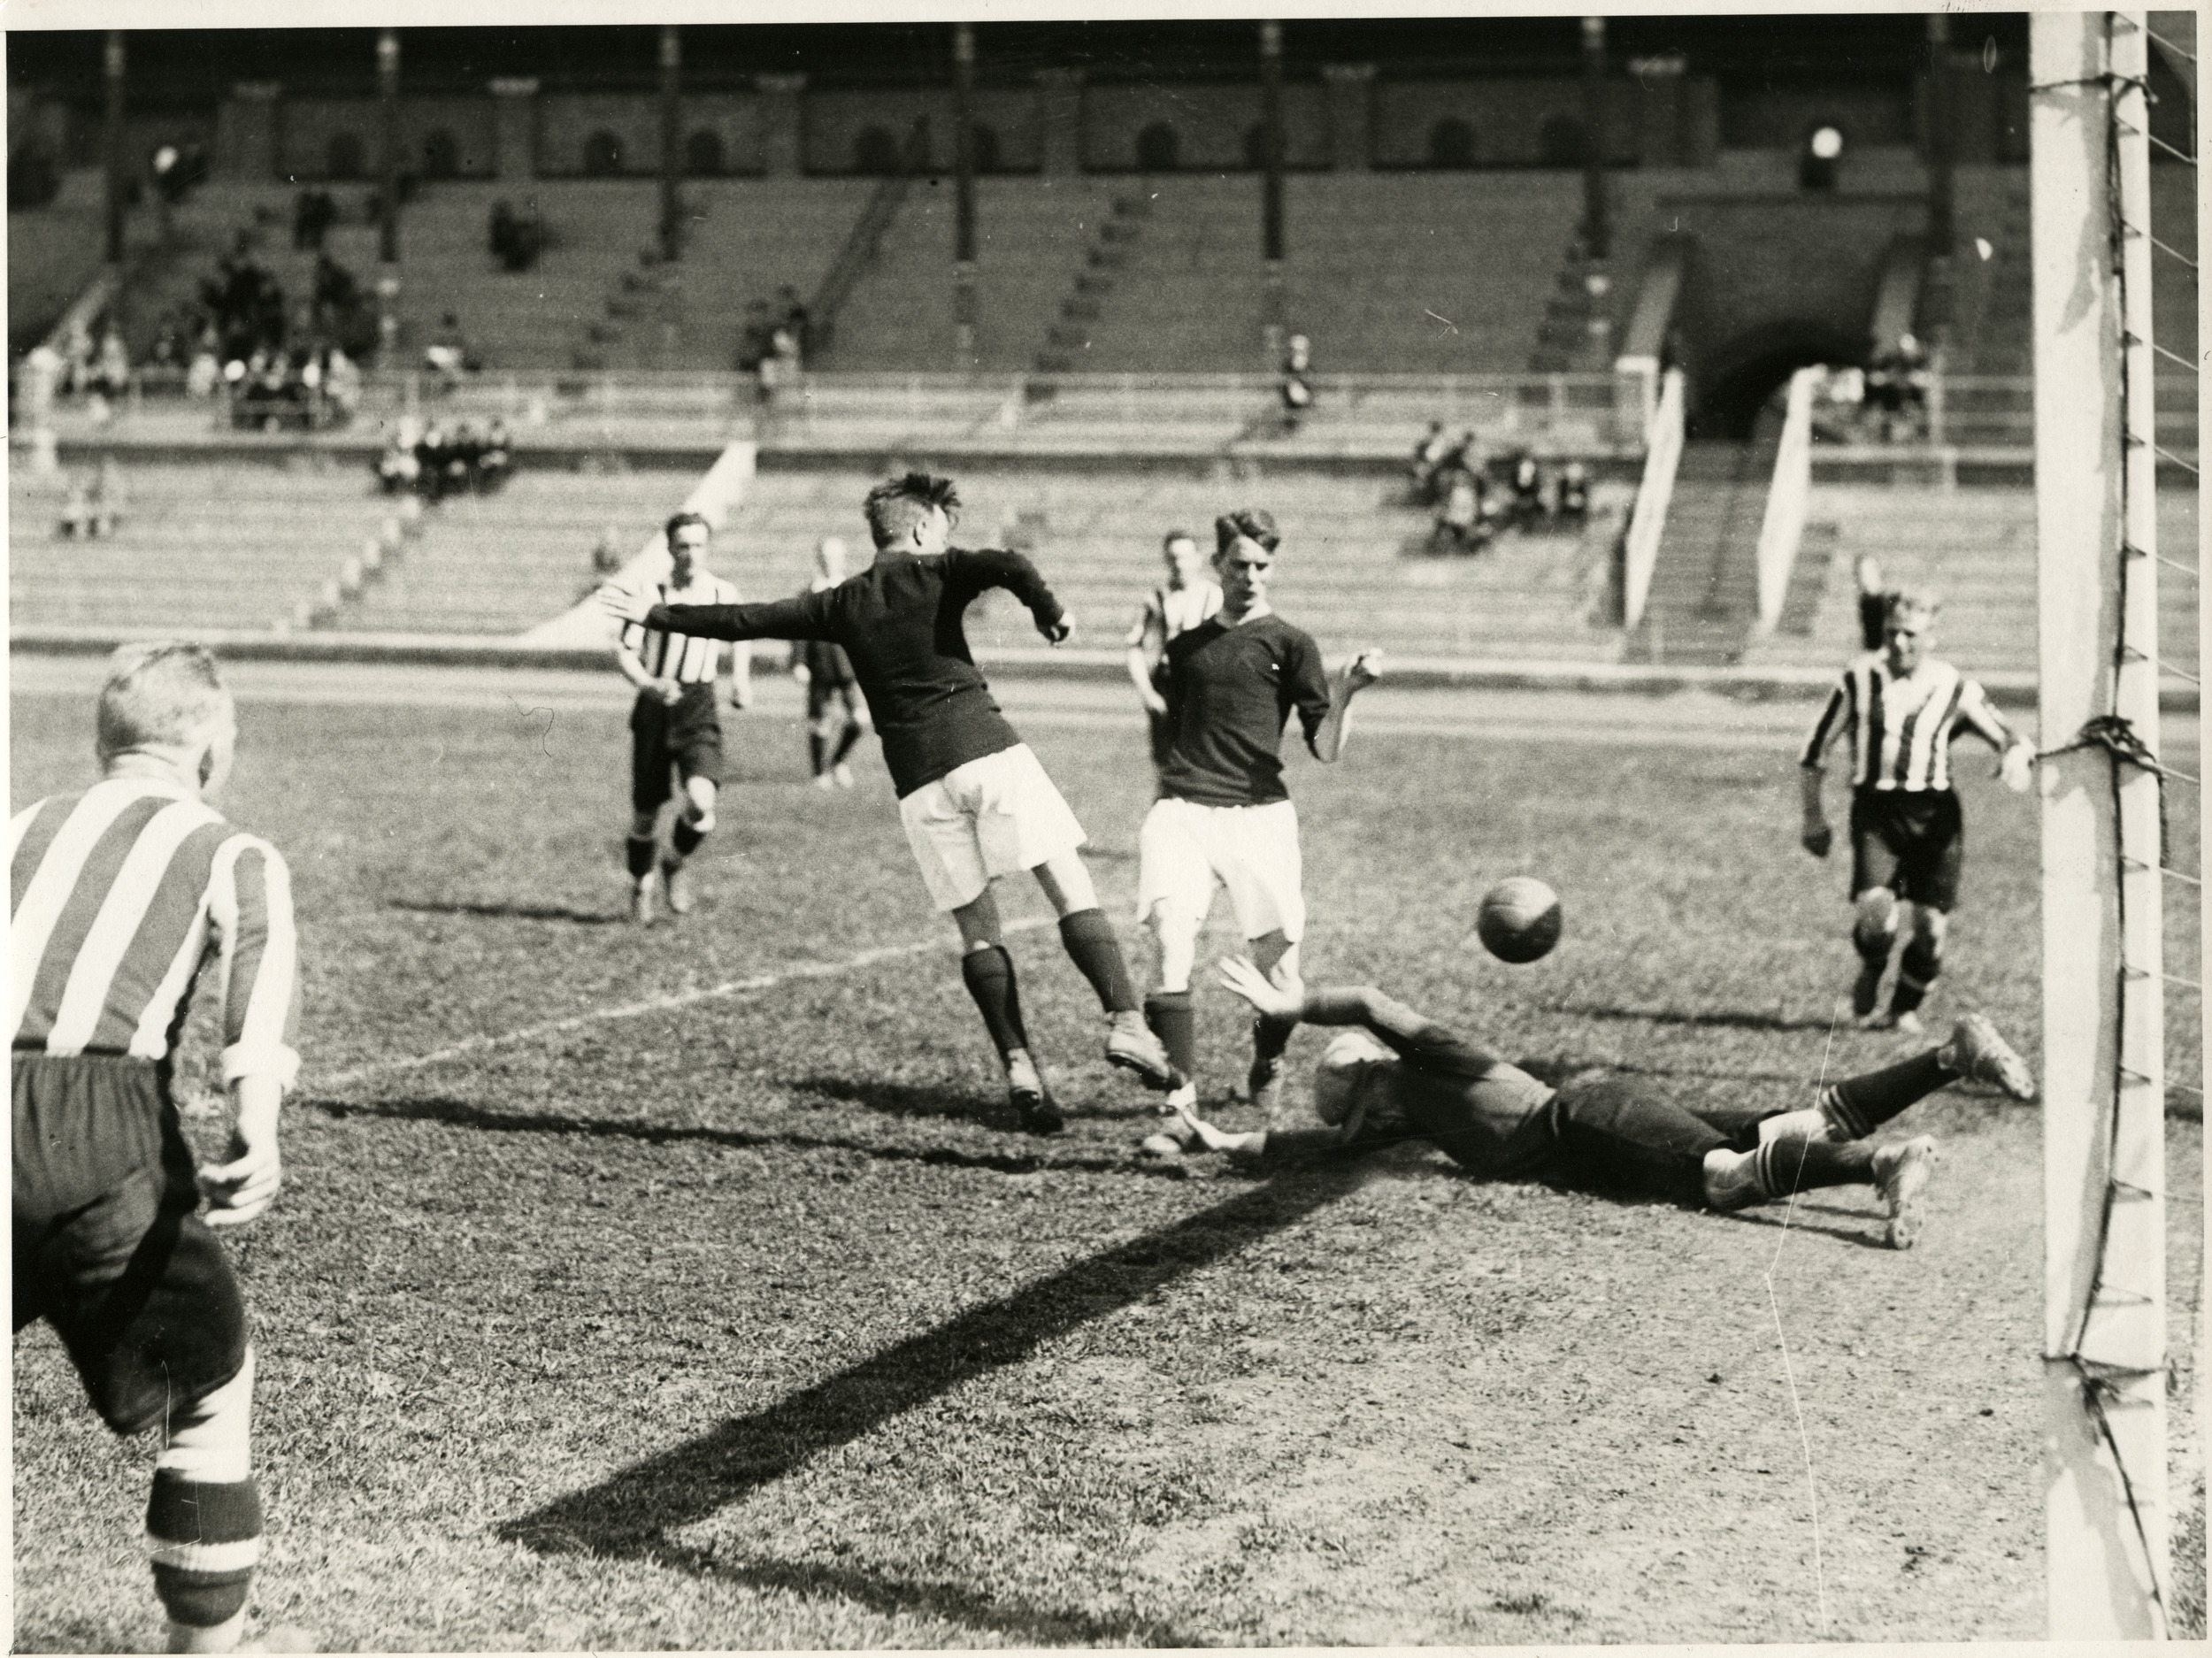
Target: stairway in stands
(1704, 594)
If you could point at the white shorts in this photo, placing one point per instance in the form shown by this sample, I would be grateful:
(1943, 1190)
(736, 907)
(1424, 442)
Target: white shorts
(991, 816)
(1185, 847)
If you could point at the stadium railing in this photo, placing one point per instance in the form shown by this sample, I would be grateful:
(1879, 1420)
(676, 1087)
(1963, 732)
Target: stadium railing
(1648, 523)
(1784, 525)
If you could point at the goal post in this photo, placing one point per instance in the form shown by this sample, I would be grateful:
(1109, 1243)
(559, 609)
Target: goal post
(2103, 1028)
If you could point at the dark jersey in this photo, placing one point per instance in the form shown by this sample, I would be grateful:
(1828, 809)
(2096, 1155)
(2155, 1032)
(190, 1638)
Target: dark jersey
(899, 622)
(1231, 689)
(826, 664)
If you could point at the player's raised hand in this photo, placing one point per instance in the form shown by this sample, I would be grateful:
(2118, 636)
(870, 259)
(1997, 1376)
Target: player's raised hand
(1362, 670)
(1241, 975)
(623, 604)
(1060, 631)
(2018, 768)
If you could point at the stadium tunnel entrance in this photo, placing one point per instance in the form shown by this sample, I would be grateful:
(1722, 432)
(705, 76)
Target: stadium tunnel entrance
(1740, 375)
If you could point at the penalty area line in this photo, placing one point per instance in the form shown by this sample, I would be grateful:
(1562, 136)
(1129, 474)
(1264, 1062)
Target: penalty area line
(728, 990)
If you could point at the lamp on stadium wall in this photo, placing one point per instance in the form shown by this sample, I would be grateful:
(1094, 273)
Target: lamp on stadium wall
(1272, 325)
(964, 296)
(112, 142)
(388, 229)
(672, 156)
(1817, 162)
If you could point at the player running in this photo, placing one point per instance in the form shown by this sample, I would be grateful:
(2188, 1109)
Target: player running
(1901, 708)
(975, 801)
(1224, 816)
(121, 895)
(1187, 597)
(1394, 1075)
(675, 734)
(832, 704)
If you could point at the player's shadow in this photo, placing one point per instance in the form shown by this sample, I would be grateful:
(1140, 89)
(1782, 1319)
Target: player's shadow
(1015, 1160)
(1866, 1235)
(937, 1100)
(506, 912)
(1714, 1018)
(632, 1514)
(954, 1603)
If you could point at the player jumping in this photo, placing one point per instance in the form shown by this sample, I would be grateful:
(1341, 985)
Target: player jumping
(673, 725)
(1902, 708)
(1393, 1075)
(975, 801)
(833, 706)
(1187, 597)
(1224, 816)
(122, 894)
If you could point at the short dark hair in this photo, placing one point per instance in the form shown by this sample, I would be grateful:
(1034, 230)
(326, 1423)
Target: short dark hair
(677, 520)
(1250, 523)
(897, 504)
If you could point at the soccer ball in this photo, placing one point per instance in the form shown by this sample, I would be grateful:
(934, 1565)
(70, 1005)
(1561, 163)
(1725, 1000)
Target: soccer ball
(1519, 919)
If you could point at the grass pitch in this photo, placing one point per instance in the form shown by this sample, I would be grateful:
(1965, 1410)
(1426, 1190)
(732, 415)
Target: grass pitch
(690, 1287)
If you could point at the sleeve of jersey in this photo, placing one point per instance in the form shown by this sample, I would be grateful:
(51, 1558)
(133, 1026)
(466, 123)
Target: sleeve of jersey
(995, 567)
(250, 905)
(1309, 689)
(806, 616)
(1404, 1031)
(1826, 726)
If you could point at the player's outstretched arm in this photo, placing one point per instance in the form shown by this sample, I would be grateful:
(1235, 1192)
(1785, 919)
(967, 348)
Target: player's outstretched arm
(997, 567)
(1327, 740)
(803, 618)
(1387, 1019)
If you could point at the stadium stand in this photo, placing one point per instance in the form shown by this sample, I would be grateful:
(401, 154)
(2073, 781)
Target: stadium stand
(501, 564)
(54, 253)
(1704, 588)
(1977, 548)
(217, 544)
(1352, 571)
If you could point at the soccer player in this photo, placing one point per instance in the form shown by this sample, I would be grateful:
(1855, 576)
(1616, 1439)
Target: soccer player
(974, 800)
(675, 734)
(1187, 597)
(1394, 1075)
(121, 894)
(1224, 816)
(1901, 708)
(833, 707)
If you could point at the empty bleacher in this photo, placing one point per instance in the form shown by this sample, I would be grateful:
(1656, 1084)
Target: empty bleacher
(212, 545)
(1976, 548)
(503, 563)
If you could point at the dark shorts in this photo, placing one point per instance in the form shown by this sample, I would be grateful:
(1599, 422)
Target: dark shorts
(687, 738)
(1630, 1137)
(823, 695)
(109, 1249)
(1912, 842)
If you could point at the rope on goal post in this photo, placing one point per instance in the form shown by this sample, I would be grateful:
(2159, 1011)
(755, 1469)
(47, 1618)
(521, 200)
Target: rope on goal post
(2105, 1386)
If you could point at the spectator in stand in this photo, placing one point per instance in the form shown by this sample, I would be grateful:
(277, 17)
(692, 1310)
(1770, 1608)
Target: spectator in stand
(107, 497)
(1459, 511)
(204, 376)
(447, 355)
(76, 352)
(111, 369)
(793, 310)
(495, 459)
(1429, 456)
(789, 362)
(398, 468)
(462, 458)
(1574, 494)
(1525, 506)
(431, 455)
(1874, 597)
(1297, 388)
(76, 512)
(342, 384)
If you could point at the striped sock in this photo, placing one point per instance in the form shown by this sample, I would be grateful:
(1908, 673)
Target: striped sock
(1784, 1166)
(1859, 1105)
(639, 852)
(204, 1518)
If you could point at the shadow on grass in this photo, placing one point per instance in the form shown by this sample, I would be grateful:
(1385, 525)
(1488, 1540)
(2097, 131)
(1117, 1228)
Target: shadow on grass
(461, 1114)
(936, 1099)
(506, 912)
(1777, 1215)
(630, 1513)
(951, 1602)
(1715, 1018)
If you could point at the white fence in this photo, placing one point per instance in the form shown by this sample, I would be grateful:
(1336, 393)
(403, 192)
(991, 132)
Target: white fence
(1784, 525)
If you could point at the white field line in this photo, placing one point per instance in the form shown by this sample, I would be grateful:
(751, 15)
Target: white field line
(729, 989)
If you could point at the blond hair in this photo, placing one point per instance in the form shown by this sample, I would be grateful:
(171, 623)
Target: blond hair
(165, 694)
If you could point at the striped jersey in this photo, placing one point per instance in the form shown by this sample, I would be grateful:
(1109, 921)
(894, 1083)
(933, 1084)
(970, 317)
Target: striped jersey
(120, 896)
(684, 657)
(1900, 729)
(1169, 613)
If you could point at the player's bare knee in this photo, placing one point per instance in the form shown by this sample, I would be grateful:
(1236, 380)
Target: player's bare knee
(1066, 883)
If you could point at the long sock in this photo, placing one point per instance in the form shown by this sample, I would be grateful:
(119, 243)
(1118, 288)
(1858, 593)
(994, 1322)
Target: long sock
(989, 973)
(683, 839)
(1175, 1022)
(846, 740)
(1785, 1166)
(1270, 1037)
(1859, 1105)
(641, 854)
(1917, 968)
(1096, 953)
(1872, 943)
(816, 745)
(204, 1517)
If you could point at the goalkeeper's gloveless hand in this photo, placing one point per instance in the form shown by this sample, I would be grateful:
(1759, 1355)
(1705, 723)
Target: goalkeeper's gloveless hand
(2018, 768)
